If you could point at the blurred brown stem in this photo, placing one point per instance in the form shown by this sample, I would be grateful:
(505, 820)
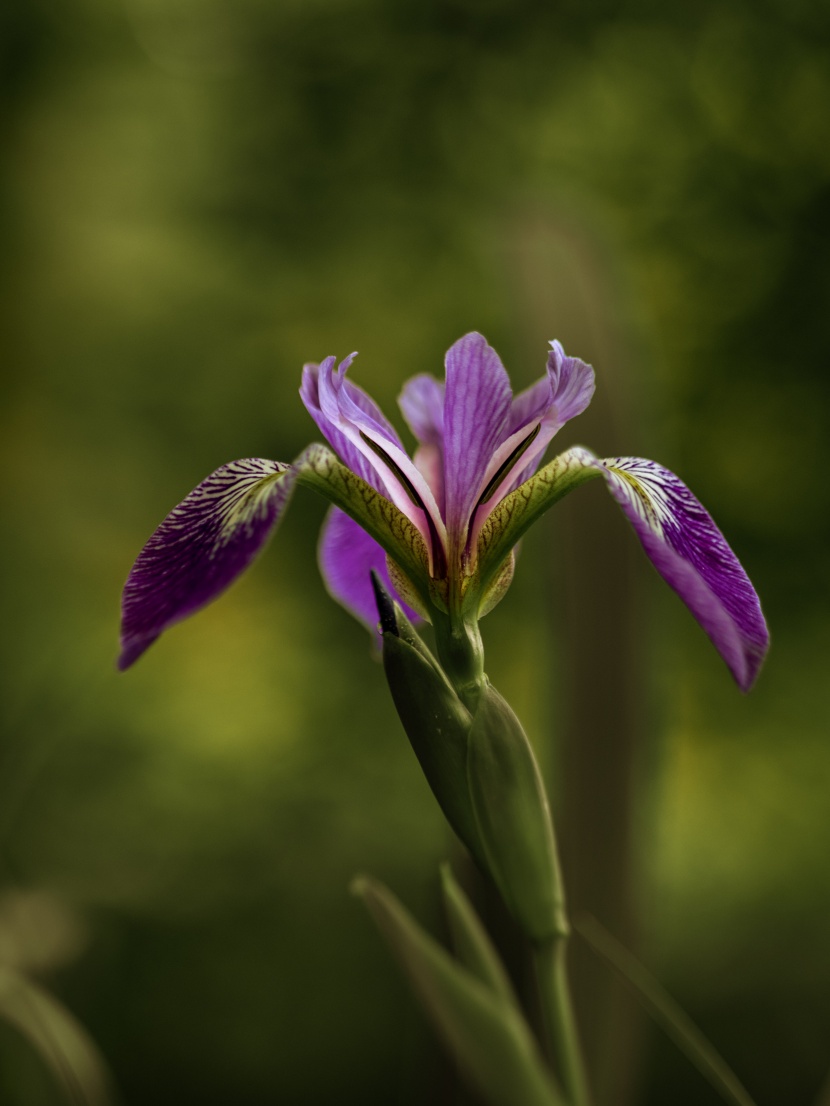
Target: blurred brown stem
(561, 282)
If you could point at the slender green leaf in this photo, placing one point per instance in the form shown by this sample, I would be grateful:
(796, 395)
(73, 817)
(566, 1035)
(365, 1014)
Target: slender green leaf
(472, 945)
(62, 1042)
(486, 1035)
(674, 1021)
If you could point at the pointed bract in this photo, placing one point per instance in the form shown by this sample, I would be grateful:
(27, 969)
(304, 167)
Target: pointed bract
(513, 820)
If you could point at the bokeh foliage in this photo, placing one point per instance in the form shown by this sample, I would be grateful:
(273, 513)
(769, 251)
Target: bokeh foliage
(199, 196)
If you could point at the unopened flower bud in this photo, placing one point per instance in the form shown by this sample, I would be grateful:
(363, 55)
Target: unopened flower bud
(513, 819)
(435, 720)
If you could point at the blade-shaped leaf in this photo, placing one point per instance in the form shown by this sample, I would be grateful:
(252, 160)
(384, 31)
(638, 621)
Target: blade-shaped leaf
(486, 1035)
(669, 1016)
(472, 945)
(63, 1044)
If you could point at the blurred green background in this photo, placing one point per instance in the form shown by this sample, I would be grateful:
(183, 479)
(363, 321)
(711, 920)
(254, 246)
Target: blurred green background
(197, 197)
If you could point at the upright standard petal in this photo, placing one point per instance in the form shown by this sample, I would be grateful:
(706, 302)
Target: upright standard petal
(693, 557)
(201, 548)
(356, 428)
(572, 382)
(348, 556)
(422, 404)
(476, 410)
(349, 453)
(535, 417)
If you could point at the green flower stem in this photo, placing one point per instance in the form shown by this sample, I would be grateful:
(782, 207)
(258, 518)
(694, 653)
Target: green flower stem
(516, 833)
(558, 1013)
(461, 653)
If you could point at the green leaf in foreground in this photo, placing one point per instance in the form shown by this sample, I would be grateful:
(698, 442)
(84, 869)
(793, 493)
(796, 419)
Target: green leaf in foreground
(61, 1041)
(673, 1020)
(471, 942)
(483, 1031)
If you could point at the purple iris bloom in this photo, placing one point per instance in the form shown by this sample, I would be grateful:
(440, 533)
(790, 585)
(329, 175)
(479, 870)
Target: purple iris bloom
(439, 527)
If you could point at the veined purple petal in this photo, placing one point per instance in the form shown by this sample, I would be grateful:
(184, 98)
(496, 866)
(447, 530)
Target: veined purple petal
(348, 453)
(531, 404)
(348, 413)
(347, 557)
(201, 548)
(535, 417)
(572, 381)
(476, 410)
(692, 555)
(571, 387)
(422, 404)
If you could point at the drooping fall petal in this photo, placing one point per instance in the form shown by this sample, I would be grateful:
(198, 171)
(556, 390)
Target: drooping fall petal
(693, 557)
(676, 531)
(201, 548)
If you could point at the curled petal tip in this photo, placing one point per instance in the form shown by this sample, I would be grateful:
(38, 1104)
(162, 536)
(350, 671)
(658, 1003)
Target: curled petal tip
(573, 383)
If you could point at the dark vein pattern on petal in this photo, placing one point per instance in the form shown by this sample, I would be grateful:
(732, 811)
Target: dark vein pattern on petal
(201, 547)
(692, 555)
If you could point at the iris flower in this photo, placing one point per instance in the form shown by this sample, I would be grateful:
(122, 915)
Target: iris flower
(439, 527)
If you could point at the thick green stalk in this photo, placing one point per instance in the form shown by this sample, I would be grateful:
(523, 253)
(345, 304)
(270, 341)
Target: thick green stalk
(461, 653)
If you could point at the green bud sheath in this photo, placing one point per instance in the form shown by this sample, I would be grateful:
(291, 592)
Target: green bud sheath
(437, 724)
(513, 819)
